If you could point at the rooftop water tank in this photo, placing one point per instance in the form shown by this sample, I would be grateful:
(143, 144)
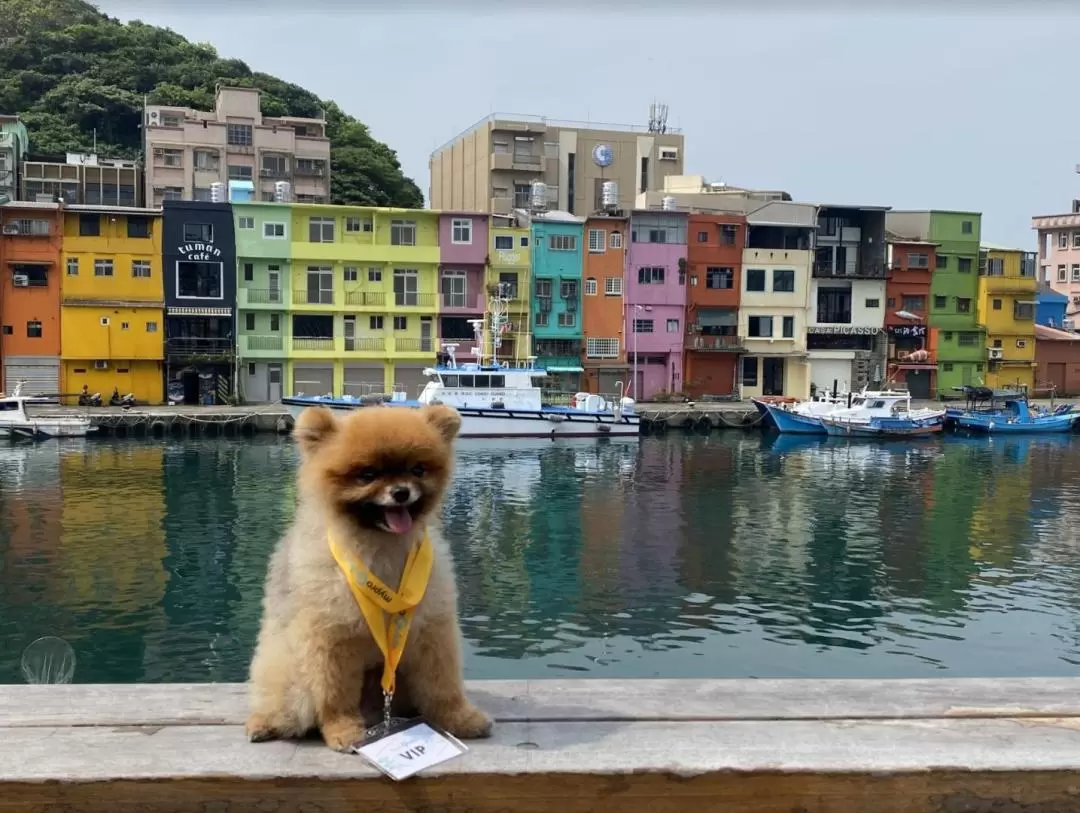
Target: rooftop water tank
(667, 203)
(609, 195)
(282, 191)
(538, 196)
(217, 192)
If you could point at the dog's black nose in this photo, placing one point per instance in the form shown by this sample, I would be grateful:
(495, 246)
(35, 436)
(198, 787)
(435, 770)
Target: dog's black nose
(401, 494)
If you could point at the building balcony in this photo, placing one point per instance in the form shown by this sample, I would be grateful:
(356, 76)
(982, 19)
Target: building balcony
(1010, 285)
(209, 348)
(261, 296)
(405, 301)
(365, 299)
(370, 344)
(313, 298)
(546, 362)
(268, 174)
(409, 345)
(26, 228)
(521, 163)
(721, 344)
(865, 270)
(955, 321)
(316, 171)
(461, 303)
(313, 344)
(272, 342)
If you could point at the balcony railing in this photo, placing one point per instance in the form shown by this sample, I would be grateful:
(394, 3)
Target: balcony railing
(413, 300)
(414, 345)
(376, 299)
(270, 173)
(866, 270)
(470, 302)
(365, 345)
(697, 341)
(316, 171)
(313, 343)
(313, 297)
(209, 347)
(264, 296)
(264, 342)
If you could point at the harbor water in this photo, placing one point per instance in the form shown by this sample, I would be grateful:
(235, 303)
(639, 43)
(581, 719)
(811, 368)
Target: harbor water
(731, 555)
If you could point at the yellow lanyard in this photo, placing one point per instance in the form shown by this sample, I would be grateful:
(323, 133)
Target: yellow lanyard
(388, 613)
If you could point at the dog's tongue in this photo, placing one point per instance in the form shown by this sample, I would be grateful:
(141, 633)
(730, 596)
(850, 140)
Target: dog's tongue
(398, 520)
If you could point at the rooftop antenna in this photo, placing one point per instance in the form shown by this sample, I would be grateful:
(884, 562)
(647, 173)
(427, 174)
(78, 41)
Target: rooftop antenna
(658, 115)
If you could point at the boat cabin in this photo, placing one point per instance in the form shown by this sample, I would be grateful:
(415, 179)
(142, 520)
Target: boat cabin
(475, 386)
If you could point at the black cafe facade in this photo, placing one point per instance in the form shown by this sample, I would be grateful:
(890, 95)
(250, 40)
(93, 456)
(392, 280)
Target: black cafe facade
(199, 264)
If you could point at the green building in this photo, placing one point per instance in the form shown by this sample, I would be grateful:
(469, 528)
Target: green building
(954, 291)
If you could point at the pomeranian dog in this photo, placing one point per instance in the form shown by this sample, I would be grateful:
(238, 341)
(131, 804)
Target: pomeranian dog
(374, 480)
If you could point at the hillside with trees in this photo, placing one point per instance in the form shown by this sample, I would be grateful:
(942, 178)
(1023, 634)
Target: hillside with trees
(68, 70)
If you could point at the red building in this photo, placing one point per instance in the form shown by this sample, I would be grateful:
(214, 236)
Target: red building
(715, 244)
(1057, 353)
(911, 356)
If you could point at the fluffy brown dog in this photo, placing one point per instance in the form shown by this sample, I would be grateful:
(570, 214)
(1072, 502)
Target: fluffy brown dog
(376, 480)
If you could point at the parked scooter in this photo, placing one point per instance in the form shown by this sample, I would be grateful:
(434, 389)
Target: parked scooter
(89, 399)
(126, 401)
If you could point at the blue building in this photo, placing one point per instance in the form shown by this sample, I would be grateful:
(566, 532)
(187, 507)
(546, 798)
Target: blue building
(1050, 307)
(557, 257)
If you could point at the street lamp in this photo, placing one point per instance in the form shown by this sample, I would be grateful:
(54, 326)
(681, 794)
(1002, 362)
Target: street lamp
(633, 331)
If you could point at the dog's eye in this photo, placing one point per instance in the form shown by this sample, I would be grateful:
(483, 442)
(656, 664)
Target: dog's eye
(418, 471)
(367, 475)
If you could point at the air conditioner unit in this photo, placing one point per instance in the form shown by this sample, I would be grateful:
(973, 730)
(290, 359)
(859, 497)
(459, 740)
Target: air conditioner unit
(11, 228)
(104, 321)
(159, 152)
(101, 365)
(20, 280)
(995, 353)
(669, 153)
(1021, 343)
(154, 117)
(1067, 324)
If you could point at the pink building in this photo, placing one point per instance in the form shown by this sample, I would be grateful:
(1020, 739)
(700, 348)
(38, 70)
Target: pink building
(463, 251)
(655, 301)
(1059, 254)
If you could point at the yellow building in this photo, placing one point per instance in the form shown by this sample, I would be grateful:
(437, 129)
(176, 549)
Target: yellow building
(1007, 289)
(364, 284)
(509, 267)
(112, 302)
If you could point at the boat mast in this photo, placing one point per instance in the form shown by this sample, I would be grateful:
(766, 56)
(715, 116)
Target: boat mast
(498, 307)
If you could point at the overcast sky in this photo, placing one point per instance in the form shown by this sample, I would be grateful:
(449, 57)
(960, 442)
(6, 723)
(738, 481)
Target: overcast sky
(909, 109)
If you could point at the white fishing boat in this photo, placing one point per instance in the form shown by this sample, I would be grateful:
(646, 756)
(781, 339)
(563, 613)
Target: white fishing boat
(497, 399)
(16, 422)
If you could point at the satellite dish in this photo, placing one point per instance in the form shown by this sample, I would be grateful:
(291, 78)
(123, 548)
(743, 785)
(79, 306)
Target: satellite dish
(603, 155)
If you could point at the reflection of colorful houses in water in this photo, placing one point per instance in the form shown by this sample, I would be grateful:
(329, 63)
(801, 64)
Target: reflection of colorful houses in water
(30, 504)
(1001, 521)
(602, 518)
(653, 538)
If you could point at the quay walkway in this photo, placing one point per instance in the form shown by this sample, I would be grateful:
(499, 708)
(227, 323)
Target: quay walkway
(738, 746)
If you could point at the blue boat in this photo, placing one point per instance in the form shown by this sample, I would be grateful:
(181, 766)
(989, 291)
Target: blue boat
(890, 427)
(807, 418)
(790, 422)
(1017, 417)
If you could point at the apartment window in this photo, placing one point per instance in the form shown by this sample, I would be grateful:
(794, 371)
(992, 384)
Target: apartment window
(963, 305)
(616, 239)
(613, 286)
(672, 325)
(320, 285)
(890, 302)
(103, 268)
(542, 319)
(963, 265)
(913, 304)
(719, 278)
(249, 321)
(240, 173)
(703, 237)
(406, 287)
(140, 269)
(199, 280)
(568, 289)
(172, 193)
(73, 266)
(33, 329)
(89, 226)
(198, 233)
(1062, 273)
(873, 303)
(352, 273)
(941, 261)
(997, 304)
(644, 175)
(755, 279)
(355, 225)
(508, 285)
(643, 326)
(590, 287)
(249, 272)
(151, 327)
(967, 339)
(375, 323)
(320, 229)
(1076, 273)
(454, 294)
(834, 306)
(403, 232)
(238, 135)
(1076, 239)
(245, 223)
(597, 241)
(138, 227)
(946, 336)
(760, 327)
(966, 227)
(562, 242)
(940, 302)
(461, 231)
(542, 288)
(651, 275)
(789, 327)
(374, 275)
(602, 348)
(1023, 310)
(275, 322)
(276, 231)
(504, 242)
(9, 331)
(500, 147)
(783, 280)
(749, 371)
(918, 260)
(206, 161)
(728, 234)
(524, 242)
(172, 158)
(995, 267)
(401, 323)
(567, 319)
(522, 193)
(947, 366)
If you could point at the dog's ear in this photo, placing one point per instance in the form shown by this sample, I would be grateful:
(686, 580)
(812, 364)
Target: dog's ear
(314, 427)
(445, 419)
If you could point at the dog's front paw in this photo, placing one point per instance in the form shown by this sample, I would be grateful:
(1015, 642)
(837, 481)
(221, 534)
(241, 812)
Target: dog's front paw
(259, 728)
(342, 733)
(466, 722)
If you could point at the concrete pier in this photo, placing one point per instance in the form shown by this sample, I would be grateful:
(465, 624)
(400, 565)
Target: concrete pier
(814, 746)
(161, 421)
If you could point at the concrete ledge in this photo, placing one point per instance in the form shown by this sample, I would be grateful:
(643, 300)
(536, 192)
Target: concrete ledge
(570, 746)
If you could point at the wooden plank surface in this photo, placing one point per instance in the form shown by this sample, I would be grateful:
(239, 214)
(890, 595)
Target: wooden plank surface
(538, 700)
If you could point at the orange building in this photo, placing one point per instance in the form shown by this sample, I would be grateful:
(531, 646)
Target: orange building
(606, 238)
(31, 235)
(912, 352)
(715, 244)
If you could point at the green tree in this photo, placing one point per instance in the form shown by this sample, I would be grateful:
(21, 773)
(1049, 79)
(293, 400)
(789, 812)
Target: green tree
(72, 72)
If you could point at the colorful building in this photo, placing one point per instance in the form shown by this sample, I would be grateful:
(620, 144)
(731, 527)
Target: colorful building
(603, 314)
(1007, 291)
(556, 272)
(907, 310)
(1051, 307)
(845, 338)
(263, 297)
(112, 302)
(1057, 356)
(656, 300)
(463, 253)
(31, 237)
(1059, 256)
(364, 298)
(509, 270)
(954, 290)
(715, 246)
(775, 297)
